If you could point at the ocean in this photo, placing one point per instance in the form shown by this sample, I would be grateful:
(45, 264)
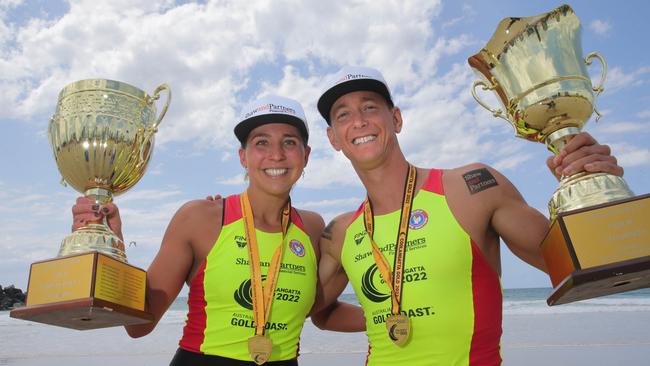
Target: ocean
(515, 301)
(28, 343)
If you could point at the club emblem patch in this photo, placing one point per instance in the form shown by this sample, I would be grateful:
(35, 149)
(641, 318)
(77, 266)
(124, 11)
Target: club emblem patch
(297, 248)
(418, 219)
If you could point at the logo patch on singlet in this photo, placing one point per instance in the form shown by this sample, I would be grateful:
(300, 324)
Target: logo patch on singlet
(358, 237)
(297, 248)
(240, 240)
(243, 295)
(372, 278)
(418, 219)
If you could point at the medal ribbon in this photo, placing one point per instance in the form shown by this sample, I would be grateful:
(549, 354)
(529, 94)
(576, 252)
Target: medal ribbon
(395, 279)
(262, 296)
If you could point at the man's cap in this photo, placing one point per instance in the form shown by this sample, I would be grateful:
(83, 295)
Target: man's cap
(350, 79)
(271, 109)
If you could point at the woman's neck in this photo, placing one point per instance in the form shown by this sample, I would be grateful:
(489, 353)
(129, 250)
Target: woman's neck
(267, 209)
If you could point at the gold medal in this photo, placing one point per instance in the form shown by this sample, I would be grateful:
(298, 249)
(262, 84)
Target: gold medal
(260, 348)
(398, 325)
(398, 328)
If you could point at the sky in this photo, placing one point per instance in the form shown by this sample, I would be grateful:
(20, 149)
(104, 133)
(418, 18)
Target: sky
(219, 55)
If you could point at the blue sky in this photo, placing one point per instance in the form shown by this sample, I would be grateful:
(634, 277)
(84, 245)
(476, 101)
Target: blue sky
(218, 55)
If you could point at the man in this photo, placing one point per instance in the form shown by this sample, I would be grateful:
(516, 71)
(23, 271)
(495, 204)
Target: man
(422, 253)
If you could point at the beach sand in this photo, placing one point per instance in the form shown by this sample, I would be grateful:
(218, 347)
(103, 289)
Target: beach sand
(591, 338)
(607, 338)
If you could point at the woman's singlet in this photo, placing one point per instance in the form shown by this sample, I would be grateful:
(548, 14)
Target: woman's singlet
(220, 317)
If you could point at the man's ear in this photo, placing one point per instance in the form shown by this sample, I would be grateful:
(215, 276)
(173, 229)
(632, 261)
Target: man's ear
(397, 119)
(333, 140)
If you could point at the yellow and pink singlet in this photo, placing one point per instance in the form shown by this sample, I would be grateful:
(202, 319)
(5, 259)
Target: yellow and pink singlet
(220, 317)
(451, 295)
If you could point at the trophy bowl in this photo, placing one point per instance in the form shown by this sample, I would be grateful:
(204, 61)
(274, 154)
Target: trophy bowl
(102, 136)
(536, 68)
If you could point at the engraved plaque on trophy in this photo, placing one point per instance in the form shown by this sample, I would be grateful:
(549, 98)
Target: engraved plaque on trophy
(599, 240)
(102, 136)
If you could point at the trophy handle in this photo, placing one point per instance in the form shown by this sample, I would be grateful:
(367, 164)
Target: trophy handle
(149, 132)
(156, 96)
(486, 86)
(600, 87)
(145, 146)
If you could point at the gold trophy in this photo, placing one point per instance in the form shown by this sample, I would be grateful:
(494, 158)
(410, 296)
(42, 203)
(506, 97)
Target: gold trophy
(599, 240)
(102, 136)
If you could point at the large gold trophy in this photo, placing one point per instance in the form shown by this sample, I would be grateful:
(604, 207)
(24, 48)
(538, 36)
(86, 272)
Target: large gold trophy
(102, 136)
(599, 240)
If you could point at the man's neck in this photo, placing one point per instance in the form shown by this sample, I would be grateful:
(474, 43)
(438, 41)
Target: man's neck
(385, 184)
(267, 209)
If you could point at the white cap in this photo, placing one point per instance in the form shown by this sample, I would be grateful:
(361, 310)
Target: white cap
(350, 79)
(271, 109)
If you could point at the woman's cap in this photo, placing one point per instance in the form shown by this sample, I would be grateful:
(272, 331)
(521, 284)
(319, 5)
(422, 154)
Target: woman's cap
(271, 109)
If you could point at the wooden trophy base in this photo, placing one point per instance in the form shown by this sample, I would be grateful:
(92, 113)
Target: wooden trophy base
(599, 250)
(601, 281)
(85, 291)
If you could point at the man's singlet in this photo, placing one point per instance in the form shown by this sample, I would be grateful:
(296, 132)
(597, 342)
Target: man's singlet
(220, 317)
(450, 293)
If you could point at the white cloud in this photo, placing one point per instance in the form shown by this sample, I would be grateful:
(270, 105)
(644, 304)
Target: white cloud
(129, 41)
(510, 162)
(156, 169)
(141, 219)
(622, 127)
(132, 45)
(329, 31)
(137, 196)
(600, 27)
(102, 39)
(440, 129)
(617, 79)
(239, 179)
(629, 155)
(10, 3)
(468, 15)
(34, 221)
(330, 208)
(328, 203)
(644, 114)
(331, 171)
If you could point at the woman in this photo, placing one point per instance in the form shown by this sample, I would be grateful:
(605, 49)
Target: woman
(250, 260)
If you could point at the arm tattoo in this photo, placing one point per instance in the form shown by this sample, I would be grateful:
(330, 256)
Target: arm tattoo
(479, 180)
(327, 232)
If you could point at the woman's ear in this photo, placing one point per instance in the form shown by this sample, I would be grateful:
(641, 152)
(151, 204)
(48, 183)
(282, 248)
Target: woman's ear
(242, 158)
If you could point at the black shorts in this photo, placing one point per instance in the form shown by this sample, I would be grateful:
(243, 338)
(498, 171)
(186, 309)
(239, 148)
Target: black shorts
(187, 358)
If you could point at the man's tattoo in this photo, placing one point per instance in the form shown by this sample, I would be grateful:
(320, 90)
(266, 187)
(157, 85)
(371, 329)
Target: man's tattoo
(479, 180)
(327, 232)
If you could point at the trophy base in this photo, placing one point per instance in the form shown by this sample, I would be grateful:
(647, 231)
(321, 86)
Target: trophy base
(85, 291)
(599, 250)
(601, 281)
(83, 314)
